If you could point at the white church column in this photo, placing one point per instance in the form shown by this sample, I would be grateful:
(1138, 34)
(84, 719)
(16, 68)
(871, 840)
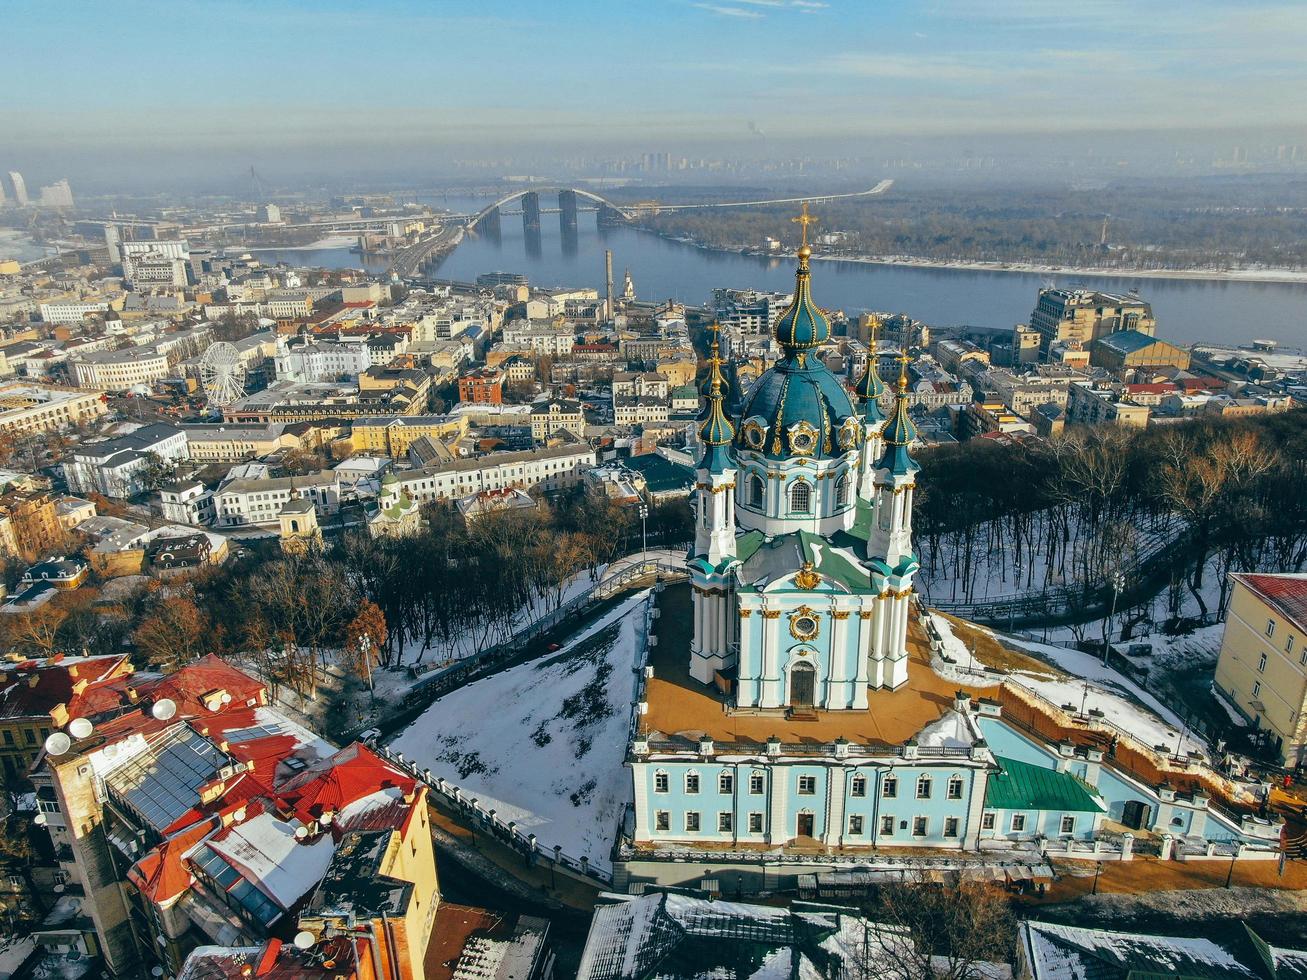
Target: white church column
(838, 692)
(863, 650)
(773, 683)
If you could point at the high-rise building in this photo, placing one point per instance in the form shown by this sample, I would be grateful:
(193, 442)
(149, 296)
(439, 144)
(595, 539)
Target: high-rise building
(57, 195)
(20, 188)
(1079, 317)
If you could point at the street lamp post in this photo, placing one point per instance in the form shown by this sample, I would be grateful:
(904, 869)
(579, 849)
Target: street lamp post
(1012, 606)
(644, 531)
(1229, 875)
(1118, 583)
(1098, 870)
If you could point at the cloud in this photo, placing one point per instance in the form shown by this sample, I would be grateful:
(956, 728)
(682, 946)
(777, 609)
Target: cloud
(724, 11)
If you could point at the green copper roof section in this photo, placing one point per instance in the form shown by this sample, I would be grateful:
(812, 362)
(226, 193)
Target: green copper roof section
(1023, 786)
(834, 563)
(748, 543)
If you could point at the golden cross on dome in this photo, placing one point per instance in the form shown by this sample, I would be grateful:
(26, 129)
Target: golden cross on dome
(803, 220)
(904, 360)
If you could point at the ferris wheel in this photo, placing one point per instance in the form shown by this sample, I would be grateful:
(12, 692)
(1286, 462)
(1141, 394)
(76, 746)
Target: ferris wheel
(222, 374)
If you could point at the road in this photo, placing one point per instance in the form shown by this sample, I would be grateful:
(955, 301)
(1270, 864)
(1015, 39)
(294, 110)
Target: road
(408, 259)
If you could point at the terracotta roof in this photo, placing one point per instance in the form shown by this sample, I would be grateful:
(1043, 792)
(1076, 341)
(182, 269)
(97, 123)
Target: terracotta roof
(1286, 593)
(350, 774)
(161, 874)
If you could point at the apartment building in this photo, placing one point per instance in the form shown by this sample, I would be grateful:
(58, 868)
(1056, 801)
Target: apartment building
(547, 418)
(118, 467)
(1080, 317)
(27, 408)
(229, 443)
(195, 818)
(1262, 667)
(1091, 404)
(540, 470)
(392, 435)
(241, 503)
(119, 370)
(65, 311)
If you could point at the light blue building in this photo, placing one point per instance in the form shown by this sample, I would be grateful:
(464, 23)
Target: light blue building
(804, 718)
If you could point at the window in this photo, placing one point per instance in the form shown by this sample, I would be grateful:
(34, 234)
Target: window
(801, 498)
(842, 491)
(662, 820)
(726, 784)
(951, 827)
(757, 782)
(692, 782)
(889, 787)
(755, 823)
(955, 788)
(756, 490)
(855, 825)
(1257, 689)
(987, 821)
(1068, 825)
(859, 785)
(724, 822)
(660, 782)
(1261, 663)
(691, 821)
(1288, 645)
(923, 787)
(920, 826)
(1270, 627)
(1018, 823)
(807, 785)
(887, 826)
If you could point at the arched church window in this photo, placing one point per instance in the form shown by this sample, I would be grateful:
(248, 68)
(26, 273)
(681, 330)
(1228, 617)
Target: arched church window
(756, 490)
(842, 491)
(801, 498)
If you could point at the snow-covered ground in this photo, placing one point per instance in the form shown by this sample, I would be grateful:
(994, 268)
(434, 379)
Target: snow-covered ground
(543, 742)
(1081, 680)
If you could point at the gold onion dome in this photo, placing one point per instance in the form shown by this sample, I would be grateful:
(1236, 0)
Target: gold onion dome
(869, 387)
(716, 432)
(900, 431)
(798, 407)
(803, 325)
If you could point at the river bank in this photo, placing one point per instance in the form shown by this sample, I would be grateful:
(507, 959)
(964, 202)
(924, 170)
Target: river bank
(1294, 276)
(1029, 268)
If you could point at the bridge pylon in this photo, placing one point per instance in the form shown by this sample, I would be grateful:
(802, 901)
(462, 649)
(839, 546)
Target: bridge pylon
(531, 212)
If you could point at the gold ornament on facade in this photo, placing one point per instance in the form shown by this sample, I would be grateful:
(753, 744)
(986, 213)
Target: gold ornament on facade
(840, 614)
(771, 614)
(807, 577)
(804, 624)
(746, 613)
(754, 434)
(850, 434)
(803, 438)
(865, 614)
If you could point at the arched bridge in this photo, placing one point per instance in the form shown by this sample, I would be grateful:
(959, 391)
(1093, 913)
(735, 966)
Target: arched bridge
(568, 206)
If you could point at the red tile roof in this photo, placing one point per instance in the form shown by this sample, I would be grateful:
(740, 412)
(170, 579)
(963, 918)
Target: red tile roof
(352, 773)
(1285, 592)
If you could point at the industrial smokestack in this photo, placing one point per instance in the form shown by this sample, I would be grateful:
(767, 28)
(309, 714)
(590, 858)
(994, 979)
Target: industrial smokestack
(608, 278)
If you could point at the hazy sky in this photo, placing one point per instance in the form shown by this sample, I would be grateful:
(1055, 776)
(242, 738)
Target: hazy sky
(616, 72)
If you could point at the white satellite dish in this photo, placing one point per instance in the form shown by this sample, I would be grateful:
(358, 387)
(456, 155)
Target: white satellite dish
(58, 743)
(164, 709)
(303, 939)
(226, 698)
(301, 832)
(80, 727)
(39, 820)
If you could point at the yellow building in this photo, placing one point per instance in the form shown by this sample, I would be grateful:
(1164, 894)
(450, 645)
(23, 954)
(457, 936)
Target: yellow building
(298, 522)
(391, 435)
(27, 407)
(1262, 670)
(678, 372)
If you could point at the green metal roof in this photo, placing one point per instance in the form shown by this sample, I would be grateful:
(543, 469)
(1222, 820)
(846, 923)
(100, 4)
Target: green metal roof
(1022, 786)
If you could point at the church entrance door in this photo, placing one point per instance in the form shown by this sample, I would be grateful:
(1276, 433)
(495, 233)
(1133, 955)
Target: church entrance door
(805, 825)
(802, 685)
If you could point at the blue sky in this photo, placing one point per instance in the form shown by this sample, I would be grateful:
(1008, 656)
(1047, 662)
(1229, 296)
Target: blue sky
(607, 72)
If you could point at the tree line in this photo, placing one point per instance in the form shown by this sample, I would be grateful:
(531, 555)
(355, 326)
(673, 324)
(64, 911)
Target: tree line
(1075, 509)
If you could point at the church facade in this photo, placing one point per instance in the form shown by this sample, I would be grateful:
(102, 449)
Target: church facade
(805, 716)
